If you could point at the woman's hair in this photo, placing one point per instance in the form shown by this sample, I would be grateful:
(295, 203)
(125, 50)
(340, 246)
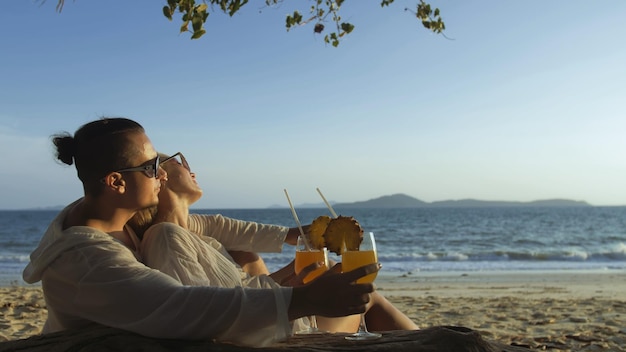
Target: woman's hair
(97, 148)
(142, 220)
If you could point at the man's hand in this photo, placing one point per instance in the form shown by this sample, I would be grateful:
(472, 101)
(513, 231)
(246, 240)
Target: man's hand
(333, 294)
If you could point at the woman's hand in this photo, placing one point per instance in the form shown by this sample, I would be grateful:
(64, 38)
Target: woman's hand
(294, 232)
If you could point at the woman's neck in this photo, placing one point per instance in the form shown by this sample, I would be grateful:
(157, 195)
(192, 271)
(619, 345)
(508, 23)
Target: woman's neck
(174, 210)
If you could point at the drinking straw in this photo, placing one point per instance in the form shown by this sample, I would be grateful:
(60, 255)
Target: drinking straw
(295, 216)
(327, 204)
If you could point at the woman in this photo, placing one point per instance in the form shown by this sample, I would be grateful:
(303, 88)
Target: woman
(192, 248)
(238, 240)
(87, 259)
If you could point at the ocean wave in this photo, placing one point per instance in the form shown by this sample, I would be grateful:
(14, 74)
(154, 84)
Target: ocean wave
(14, 258)
(412, 267)
(618, 253)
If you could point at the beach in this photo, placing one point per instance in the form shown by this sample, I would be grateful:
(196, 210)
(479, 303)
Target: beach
(559, 310)
(543, 310)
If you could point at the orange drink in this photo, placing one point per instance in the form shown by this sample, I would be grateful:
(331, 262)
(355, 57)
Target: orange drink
(306, 258)
(351, 260)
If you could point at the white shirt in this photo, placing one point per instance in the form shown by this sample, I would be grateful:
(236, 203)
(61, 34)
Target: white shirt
(88, 277)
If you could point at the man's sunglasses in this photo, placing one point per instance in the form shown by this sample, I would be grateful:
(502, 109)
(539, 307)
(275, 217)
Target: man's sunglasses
(151, 170)
(180, 159)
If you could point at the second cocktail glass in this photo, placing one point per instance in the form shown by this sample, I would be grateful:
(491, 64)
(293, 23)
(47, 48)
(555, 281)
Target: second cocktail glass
(305, 256)
(350, 260)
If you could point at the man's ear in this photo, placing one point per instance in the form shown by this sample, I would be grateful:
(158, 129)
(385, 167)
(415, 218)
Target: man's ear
(114, 182)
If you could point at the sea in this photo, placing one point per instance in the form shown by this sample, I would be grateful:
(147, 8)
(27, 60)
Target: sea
(410, 241)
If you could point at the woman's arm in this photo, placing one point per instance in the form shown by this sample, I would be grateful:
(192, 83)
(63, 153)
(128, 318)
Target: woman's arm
(240, 235)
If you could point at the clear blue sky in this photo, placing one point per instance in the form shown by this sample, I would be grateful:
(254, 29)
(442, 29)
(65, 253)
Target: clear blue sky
(525, 101)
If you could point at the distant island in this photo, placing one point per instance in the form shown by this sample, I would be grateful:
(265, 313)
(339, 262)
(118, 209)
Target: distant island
(400, 200)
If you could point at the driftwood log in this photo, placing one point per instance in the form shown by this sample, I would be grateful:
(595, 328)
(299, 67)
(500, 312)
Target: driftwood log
(435, 339)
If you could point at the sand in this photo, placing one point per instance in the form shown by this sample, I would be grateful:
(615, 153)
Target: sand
(22, 312)
(558, 311)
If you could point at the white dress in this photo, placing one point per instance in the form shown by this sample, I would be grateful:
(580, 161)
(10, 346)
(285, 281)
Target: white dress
(196, 259)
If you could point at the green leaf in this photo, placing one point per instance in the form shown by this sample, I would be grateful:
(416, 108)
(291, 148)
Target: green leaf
(236, 5)
(196, 23)
(297, 17)
(198, 34)
(184, 27)
(347, 27)
(293, 20)
(334, 40)
(167, 12)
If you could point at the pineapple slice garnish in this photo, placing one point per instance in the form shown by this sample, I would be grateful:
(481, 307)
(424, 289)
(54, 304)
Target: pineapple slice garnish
(317, 230)
(338, 235)
(343, 233)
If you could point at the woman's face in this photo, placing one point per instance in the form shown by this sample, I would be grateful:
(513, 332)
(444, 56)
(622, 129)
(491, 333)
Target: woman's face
(141, 189)
(181, 180)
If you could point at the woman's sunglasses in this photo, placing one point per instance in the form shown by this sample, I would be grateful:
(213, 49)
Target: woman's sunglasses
(180, 159)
